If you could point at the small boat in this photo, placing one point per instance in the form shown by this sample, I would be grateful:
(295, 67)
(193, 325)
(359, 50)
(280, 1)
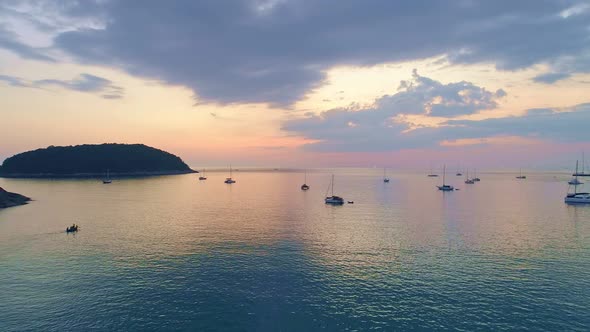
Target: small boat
(445, 187)
(304, 186)
(583, 172)
(229, 180)
(350, 202)
(385, 178)
(475, 178)
(431, 174)
(107, 178)
(72, 229)
(333, 200)
(458, 171)
(202, 176)
(467, 179)
(575, 181)
(520, 176)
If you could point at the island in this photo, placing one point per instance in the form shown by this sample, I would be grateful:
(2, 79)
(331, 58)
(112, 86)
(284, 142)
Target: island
(93, 160)
(8, 199)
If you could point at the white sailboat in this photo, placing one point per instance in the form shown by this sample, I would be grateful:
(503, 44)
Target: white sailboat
(202, 177)
(334, 200)
(445, 187)
(520, 176)
(577, 197)
(107, 178)
(385, 178)
(230, 180)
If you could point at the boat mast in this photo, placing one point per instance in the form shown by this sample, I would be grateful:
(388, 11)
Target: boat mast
(230, 172)
(305, 181)
(576, 179)
(444, 173)
(332, 185)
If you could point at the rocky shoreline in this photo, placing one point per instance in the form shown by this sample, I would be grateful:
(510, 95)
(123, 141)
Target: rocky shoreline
(8, 199)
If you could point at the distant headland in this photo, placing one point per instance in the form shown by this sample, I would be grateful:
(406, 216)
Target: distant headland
(11, 199)
(83, 161)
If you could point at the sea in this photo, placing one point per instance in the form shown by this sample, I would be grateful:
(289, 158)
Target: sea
(172, 253)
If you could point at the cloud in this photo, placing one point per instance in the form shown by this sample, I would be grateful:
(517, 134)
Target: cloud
(277, 51)
(550, 78)
(9, 41)
(112, 96)
(83, 83)
(427, 96)
(386, 128)
(13, 81)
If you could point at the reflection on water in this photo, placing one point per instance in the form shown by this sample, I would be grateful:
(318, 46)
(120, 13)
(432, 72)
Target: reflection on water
(177, 253)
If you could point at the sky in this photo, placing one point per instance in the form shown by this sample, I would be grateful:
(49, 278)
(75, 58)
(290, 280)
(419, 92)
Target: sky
(302, 83)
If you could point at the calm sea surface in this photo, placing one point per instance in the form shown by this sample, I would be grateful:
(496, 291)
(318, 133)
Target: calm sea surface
(175, 253)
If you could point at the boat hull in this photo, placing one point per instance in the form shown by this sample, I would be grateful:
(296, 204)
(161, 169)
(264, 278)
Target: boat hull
(579, 198)
(445, 188)
(334, 200)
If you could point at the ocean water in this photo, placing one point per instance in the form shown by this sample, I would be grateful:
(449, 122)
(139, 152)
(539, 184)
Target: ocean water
(175, 253)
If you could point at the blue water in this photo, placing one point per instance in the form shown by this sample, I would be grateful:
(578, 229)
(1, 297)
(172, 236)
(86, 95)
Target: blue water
(175, 253)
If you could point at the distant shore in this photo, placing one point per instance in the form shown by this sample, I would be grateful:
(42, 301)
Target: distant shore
(92, 175)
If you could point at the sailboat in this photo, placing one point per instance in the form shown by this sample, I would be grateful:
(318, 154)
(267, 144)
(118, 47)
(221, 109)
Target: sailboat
(445, 187)
(475, 178)
(334, 200)
(458, 171)
(432, 175)
(202, 177)
(467, 179)
(520, 176)
(107, 179)
(385, 178)
(304, 186)
(577, 197)
(230, 180)
(583, 173)
(575, 181)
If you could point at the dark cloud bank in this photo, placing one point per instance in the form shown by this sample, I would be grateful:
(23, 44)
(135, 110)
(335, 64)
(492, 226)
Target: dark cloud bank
(275, 51)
